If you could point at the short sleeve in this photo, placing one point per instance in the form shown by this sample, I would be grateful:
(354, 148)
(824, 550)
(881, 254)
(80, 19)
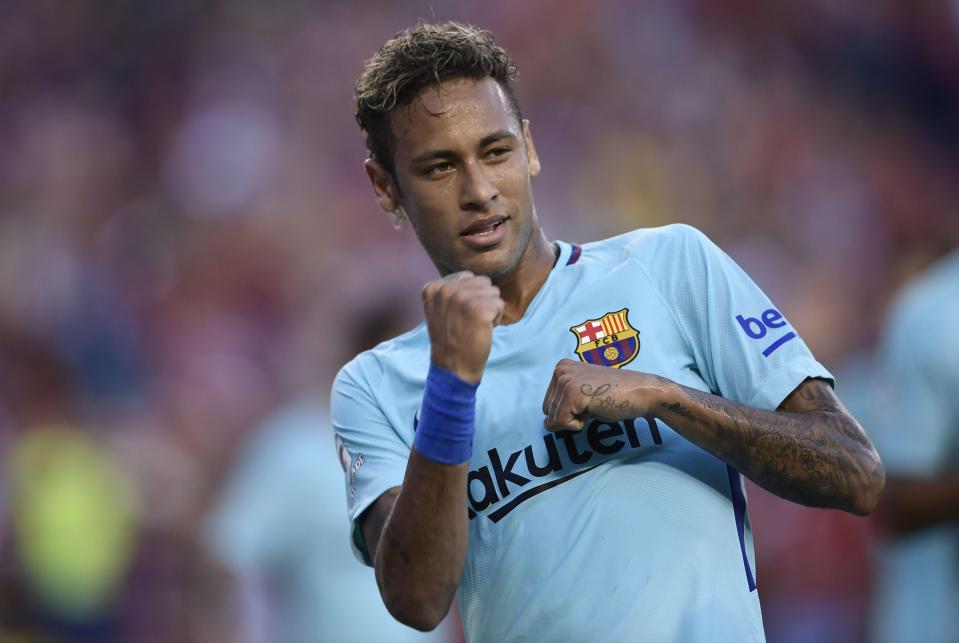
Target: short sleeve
(917, 419)
(744, 347)
(371, 452)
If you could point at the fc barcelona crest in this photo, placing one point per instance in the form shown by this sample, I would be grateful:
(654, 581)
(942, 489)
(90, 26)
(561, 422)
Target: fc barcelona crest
(607, 341)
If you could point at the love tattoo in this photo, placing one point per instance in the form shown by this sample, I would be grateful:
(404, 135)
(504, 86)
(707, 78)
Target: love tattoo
(600, 399)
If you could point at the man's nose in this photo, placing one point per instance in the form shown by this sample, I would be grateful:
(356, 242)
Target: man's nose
(477, 191)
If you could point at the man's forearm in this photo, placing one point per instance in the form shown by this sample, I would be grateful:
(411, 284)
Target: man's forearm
(422, 546)
(818, 457)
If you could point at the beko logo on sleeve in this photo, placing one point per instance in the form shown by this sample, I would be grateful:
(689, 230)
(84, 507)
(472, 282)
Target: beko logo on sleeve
(770, 321)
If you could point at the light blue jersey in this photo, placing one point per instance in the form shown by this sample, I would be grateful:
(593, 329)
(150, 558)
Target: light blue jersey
(917, 434)
(624, 531)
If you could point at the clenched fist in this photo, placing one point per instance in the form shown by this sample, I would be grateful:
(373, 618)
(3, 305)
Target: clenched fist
(461, 311)
(579, 392)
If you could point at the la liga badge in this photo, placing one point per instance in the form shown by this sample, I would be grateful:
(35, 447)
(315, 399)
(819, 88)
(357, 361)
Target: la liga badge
(608, 341)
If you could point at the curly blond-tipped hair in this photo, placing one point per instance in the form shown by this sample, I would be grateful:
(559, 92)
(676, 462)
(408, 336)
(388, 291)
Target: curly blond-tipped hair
(421, 57)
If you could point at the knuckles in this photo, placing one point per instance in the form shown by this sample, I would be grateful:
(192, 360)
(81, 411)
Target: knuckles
(463, 295)
(458, 288)
(428, 290)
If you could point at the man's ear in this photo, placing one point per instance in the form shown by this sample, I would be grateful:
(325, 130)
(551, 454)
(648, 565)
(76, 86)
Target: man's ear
(532, 159)
(383, 186)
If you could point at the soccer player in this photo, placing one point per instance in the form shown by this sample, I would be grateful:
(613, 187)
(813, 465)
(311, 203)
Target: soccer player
(917, 432)
(562, 441)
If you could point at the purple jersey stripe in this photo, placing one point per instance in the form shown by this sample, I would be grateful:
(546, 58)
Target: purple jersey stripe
(739, 510)
(574, 255)
(779, 342)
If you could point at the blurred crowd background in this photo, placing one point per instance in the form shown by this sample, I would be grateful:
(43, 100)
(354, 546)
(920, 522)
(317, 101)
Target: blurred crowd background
(189, 250)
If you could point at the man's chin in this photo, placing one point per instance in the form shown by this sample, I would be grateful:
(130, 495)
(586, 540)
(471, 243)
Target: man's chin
(495, 263)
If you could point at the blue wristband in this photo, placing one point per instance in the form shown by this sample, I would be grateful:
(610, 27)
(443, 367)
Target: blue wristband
(447, 418)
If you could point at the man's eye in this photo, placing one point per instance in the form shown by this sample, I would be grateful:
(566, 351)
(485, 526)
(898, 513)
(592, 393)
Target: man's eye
(497, 152)
(439, 168)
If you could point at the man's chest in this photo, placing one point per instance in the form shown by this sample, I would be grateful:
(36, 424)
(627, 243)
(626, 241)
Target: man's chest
(514, 456)
(618, 324)
(608, 325)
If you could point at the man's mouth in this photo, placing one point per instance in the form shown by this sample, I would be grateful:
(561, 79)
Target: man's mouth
(485, 226)
(485, 232)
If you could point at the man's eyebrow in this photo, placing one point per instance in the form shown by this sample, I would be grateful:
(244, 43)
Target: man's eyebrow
(444, 154)
(495, 136)
(432, 154)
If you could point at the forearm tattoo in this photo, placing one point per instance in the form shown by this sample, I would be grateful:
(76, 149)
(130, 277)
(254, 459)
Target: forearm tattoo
(814, 453)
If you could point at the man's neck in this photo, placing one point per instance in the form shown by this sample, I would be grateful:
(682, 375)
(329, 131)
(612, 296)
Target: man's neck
(520, 286)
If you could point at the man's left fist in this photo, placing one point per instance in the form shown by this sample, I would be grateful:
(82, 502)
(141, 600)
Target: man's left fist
(579, 392)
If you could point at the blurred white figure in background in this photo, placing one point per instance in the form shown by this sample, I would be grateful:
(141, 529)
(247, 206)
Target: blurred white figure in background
(917, 435)
(280, 526)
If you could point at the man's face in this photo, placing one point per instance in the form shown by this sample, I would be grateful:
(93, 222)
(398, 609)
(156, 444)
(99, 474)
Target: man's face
(463, 164)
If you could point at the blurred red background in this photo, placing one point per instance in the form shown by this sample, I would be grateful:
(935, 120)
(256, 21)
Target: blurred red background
(188, 242)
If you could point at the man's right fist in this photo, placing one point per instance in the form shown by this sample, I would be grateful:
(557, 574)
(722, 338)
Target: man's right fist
(461, 310)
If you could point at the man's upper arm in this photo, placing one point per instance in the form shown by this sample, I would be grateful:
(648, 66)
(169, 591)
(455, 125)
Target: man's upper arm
(374, 518)
(372, 453)
(814, 394)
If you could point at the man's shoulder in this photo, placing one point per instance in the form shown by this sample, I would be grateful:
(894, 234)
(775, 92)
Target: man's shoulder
(369, 366)
(648, 246)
